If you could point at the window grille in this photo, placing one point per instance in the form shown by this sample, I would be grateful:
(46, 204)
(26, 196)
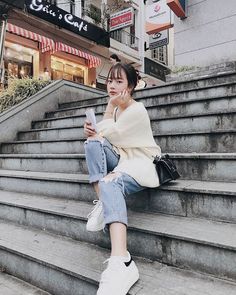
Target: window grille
(160, 54)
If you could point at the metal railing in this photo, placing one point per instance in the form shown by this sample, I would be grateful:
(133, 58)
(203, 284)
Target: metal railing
(125, 38)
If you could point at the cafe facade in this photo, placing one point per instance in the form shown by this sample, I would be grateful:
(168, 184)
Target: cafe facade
(47, 42)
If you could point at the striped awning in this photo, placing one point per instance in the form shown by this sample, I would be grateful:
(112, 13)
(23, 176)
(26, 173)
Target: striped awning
(93, 61)
(46, 43)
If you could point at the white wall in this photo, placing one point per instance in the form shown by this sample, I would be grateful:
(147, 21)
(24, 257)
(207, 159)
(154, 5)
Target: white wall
(64, 4)
(207, 36)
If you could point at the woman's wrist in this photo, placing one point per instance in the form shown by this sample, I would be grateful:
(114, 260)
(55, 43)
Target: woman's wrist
(111, 105)
(110, 108)
(109, 111)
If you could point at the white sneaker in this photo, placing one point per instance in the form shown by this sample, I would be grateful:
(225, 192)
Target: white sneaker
(95, 218)
(119, 277)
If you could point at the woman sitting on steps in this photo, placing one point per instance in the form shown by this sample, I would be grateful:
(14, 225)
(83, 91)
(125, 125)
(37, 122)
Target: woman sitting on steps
(120, 162)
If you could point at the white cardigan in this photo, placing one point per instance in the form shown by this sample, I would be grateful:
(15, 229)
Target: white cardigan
(131, 137)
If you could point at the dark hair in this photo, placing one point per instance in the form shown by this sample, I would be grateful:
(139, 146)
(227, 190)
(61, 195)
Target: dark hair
(138, 75)
(115, 73)
(114, 56)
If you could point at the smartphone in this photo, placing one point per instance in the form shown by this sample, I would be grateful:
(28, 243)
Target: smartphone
(90, 115)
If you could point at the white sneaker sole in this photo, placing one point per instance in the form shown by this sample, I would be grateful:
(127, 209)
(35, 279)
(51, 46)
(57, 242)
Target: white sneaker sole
(132, 280)
(94, 229)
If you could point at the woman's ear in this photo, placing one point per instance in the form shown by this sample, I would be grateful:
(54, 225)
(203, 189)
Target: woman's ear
(129, 89)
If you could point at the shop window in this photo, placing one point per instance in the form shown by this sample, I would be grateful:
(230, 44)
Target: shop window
(72, 6)
(83, 4)
(132, 30)
(18, 62)
(62, 69)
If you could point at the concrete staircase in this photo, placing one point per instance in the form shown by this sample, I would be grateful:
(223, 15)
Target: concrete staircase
(183, 234)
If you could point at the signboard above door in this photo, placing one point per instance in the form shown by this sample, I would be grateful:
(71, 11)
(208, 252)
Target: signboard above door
(63, 19)
(122, 19)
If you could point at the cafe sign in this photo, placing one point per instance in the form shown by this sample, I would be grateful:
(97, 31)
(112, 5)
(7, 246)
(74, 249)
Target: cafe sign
(63, 19)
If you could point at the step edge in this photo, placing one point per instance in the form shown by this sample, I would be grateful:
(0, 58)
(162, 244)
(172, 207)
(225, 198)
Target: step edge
(196, 100)
(137, 228)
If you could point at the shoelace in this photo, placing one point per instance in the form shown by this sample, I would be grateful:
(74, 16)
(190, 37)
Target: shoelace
(95, 202)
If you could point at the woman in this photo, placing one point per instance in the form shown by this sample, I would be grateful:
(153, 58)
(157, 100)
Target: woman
(120, 162)
(114, 59)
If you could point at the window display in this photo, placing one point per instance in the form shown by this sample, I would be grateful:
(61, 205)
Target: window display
(63, 69)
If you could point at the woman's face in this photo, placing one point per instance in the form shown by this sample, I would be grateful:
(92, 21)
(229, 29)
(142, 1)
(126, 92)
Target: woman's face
(116, 85)
(113, 61)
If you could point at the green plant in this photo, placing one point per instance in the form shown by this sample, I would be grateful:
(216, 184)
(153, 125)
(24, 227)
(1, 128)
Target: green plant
(18, 90)
(94, 13)
(182, 69)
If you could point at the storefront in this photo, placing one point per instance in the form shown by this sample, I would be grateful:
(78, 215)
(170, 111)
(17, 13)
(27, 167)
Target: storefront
(28, 54)
(64, 69)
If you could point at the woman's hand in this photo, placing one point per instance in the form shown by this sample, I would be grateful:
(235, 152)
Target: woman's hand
(88, 130)
(122, 99)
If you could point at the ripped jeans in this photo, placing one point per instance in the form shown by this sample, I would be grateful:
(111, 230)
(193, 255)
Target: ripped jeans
(102, 159)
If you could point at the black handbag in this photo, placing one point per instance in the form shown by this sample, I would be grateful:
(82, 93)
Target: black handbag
(165, 168)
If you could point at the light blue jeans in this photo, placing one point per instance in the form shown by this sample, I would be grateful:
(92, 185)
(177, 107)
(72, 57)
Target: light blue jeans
(102, 159)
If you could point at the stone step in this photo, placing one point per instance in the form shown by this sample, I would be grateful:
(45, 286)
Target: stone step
(195, 166)
(44, 147)
(10, 285)
(221, 141)
(199, 123)
(65, 163)
(217, 141)
(75, 111)
(186, 123)
(203, 199)
(192, 242)
(206, 166)
(56, 269)
(66, 133)
(71, 121)
(61, 185)
(213, 86)
(191, 198)
(198, 72)
(157, 110)
(180, 92)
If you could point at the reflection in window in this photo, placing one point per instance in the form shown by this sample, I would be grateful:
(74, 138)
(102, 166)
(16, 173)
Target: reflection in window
(66, 70)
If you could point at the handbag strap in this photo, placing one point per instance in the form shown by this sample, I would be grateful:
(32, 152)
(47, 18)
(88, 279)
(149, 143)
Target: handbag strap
(115, 114)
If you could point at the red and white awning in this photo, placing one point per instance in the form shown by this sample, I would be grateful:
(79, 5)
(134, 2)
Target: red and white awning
(93, 61)
(46, 43)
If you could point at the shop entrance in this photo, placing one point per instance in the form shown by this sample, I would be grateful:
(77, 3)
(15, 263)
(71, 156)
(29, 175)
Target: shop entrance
(64, 69)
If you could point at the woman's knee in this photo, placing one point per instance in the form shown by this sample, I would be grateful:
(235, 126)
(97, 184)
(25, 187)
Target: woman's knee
(92, 144)
(111, 190)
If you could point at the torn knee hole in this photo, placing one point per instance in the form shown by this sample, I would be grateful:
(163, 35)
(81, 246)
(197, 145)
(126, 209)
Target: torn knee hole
(96, 138)
(113, 176)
